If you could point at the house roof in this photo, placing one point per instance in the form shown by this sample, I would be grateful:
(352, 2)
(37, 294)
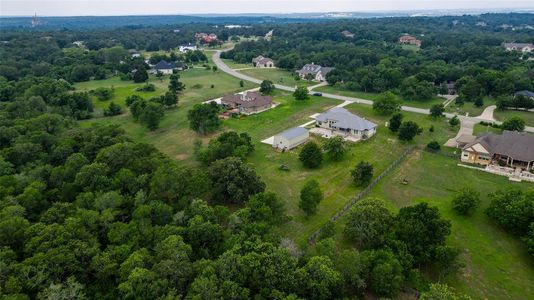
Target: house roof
(525, 93)
(344, 119)
(261, 60)
(249, 99)
(164, 65)
(518, 45)
(314, 69)
(465, 139)
(294, 132)
(519, 146)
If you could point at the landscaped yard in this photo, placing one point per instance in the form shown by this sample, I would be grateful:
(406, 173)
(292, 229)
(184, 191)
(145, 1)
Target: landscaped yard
(469, 108)
(502, 115)
(235, 65)
(497, 265)
(373, 96)
(478, 129)
(277, 76)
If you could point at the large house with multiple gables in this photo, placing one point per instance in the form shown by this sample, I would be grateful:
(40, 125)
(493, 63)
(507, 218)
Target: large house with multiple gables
(247, 103)
(521, 47)
(339, 121)
(316, 72)
(409, 40)
(262, 62)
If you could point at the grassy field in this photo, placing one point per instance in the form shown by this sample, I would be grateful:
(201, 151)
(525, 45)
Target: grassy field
(334, 177)
(174, 137)
(469, 108)
(414, 48)
(483, 129)
(497, 264)
(374, 96)
(235, 65)
(502, 115)
(277, 76)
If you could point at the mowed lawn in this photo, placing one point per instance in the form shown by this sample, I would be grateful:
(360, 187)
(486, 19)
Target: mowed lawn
(373, 96)
(503, 115)
(277, 76)
(334, 177)
(174, 137)
(497, 265)
(469, 108)
(235, 65)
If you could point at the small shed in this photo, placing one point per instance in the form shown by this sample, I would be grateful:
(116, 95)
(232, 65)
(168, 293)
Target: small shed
(291, 138)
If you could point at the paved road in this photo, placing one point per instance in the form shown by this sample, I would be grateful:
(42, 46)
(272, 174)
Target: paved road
(223, 67)
(487, 114)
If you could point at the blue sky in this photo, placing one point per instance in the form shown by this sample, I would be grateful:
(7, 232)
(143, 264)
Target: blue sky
(147, 7)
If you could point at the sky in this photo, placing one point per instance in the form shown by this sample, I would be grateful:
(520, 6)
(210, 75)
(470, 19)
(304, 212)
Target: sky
(151, 7)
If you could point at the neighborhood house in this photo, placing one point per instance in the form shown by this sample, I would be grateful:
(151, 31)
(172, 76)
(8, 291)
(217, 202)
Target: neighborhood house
(188, 47)
(527, 94)
(510, 153)
(206, 38)
(521, 47)
(291, 138)
(164, 67)
(263, 62)
(409, 40)
(339, 121)
(347, 34)
(247, 103)
(313, 71)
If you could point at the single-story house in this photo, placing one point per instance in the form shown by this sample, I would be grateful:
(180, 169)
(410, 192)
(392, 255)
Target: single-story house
(451, 88)
(464, 139)
(347, 34)
(164, 67)
(262, 62)
(188, 47)
(525, 93)
(409, 40)
(206, 38)
(342, 122)
(318, 72)
(291, 138)
(247, 103)
(521, 47)
(510, 149)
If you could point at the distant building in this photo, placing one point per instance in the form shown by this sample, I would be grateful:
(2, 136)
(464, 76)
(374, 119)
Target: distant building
(136, 55)
(164, 67)
(481, 24)
(78, 44)
(263, 62)
(269, 35)
(188, 47)
(525, 93)
(347, 34)
(521, 47)
(342, 122)
(247, 103)
(206, 38)
(451, 88)
(409, 40)
(291, 138)
(317, 72)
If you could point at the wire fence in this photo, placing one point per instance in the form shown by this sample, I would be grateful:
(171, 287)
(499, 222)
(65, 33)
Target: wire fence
(362, 194)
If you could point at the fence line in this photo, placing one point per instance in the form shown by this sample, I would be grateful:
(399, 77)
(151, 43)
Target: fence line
(361, 194)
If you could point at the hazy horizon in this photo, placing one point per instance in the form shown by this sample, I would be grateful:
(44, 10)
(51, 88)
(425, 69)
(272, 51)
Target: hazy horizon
(199, 7)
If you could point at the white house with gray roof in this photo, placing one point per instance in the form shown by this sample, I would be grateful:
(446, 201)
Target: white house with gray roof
(340, 121)
(521, 47)
(318, 73)
(291, 138)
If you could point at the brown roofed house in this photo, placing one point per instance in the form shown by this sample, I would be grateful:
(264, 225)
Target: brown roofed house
(510, 149)
(248, 103)
(409, 40)
(263, 62)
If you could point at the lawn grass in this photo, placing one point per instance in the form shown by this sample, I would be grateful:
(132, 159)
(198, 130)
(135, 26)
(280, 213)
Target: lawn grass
(235, 65)
(503, 115)
(478, 129)
(373, 96)
(277, 76)
(469, 108)
(414, 48)
(497, 265)
(174, 137)
(334, 177)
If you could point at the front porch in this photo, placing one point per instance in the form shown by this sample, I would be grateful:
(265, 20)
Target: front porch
(510, 162)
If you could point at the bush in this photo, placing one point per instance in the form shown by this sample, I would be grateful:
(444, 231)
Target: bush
(408, 130)
(466, 201)
(103, 93)
(437, 110)
(362, 173)
(387, 103)
(148, 87)
(433, 146)
(310, 196)
(513, 124)
(301, 93)
(395, 122)
(112, 110)
(454, 121)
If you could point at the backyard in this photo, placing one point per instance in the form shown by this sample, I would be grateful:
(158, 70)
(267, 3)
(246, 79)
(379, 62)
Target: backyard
(502, 115)
(277, 76)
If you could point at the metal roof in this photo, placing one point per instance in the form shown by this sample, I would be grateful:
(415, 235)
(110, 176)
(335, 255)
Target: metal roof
(294, 132)
(344, 119)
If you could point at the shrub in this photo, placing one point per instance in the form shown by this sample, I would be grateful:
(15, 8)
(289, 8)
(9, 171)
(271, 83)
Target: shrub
(311, 155)
(466, 201)
(362, 173)
(454, 121)
(433, 146)
(513, 124)
(310, 196)
(147, 87)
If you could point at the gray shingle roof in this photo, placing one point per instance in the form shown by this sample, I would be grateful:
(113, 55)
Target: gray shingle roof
(314, 69)
(519, 146)
(525, 93)
(344, 119)
(164, 65)
(294, 132)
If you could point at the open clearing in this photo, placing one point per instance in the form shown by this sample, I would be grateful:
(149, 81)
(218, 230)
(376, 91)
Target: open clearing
(277, 76)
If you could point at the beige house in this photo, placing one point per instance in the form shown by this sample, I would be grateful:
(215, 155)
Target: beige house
(510, 149)
(291, 138)
(247, 103)
(340, 121)
(409, 40)
(521, 47)
(263, 62)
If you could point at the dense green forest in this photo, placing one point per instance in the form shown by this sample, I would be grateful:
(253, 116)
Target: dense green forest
(87, 212)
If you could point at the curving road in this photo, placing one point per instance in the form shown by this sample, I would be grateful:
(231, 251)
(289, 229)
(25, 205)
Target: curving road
(223, 67)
